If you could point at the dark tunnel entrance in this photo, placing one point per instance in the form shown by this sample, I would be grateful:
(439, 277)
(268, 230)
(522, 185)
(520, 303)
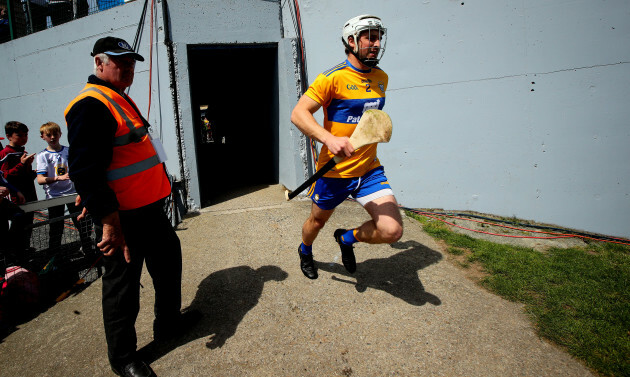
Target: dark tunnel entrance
(234, 95)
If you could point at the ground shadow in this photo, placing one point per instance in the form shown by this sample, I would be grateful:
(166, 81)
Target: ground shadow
(224, 297)
(396, 275)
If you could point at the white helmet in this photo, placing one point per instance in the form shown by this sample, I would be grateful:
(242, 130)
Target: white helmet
(354, 26)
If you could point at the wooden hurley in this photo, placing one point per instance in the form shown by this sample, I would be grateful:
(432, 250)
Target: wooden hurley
(375, 126)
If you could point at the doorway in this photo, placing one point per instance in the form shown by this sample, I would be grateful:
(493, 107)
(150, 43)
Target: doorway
(234, 95)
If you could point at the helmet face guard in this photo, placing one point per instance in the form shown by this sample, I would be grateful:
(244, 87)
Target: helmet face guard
(355, 27)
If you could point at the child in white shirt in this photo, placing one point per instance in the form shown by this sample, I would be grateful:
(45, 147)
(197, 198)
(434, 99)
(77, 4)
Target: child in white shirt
(52, 173)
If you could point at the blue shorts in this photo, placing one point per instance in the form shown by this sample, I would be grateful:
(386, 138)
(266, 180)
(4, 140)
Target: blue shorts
(328, 193)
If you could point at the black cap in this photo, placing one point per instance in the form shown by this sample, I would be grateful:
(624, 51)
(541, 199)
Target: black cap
(114, 46)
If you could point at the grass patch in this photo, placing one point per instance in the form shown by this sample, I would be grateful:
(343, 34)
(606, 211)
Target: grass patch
(455, 250)
(578, 298)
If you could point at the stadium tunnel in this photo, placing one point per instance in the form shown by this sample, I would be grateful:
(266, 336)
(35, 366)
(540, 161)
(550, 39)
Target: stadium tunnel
(234, 95)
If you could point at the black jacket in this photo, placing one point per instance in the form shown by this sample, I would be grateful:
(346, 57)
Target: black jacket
(91, 130)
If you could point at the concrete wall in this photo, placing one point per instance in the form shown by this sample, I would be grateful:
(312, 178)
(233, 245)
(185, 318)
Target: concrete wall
(516, 108)
(294, 153)
(512, 108)
(215, 22)
(44, 71)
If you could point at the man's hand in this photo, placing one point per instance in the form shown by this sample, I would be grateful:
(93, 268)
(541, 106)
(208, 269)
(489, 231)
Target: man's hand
(77, 203)
(339, 146)
(113, 238)
(302, 117)
(3, 191)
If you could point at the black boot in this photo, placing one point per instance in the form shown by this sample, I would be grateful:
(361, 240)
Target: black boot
(307, 265)
(347, 252)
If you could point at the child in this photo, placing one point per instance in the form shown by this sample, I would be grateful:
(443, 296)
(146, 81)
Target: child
(52, 173)
(15, 165)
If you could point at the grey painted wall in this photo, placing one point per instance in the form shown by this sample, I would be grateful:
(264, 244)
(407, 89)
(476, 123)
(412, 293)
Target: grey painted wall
(512, 108)
(47, 69)
(44, 71)
(215, 22)
(516, 108)
(294, 168)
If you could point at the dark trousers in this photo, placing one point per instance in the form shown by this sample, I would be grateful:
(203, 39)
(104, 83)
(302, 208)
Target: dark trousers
(55, 228)
(150, 238)
(11, 238)
(8, 211)
(19, 239)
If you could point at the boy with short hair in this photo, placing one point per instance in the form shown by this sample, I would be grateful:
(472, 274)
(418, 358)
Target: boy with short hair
(15, 165)
(52, 173)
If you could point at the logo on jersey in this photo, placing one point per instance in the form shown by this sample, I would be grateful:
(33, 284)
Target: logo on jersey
(351, 87)
(372, 105)
(366, 106)
(381, 86)
(349, 110)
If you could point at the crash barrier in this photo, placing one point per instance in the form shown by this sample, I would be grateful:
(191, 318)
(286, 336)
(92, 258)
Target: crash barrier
(59, 242)
(23, 17)
(65, 237)
(60, 258)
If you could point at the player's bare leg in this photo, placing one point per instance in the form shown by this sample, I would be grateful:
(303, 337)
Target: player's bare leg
(386, 224)
(315, 223)
(310, 230)
(384, 227)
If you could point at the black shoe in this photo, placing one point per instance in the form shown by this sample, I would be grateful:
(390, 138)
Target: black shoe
(307, 265)
(347, 252)
(136, 368)
(172, 329)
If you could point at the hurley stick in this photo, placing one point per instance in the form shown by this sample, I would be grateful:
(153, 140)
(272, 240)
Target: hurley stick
(375, 126)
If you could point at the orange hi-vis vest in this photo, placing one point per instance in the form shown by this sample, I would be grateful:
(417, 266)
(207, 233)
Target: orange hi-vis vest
(135, 173)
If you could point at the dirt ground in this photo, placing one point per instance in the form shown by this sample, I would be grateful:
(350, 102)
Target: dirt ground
(407, 311)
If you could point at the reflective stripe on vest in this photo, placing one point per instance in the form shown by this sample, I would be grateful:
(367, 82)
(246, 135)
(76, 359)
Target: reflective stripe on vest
(132, 169)
(134, 135)
(135, 173)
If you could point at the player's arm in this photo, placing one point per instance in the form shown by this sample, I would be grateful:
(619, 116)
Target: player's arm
(302, 117)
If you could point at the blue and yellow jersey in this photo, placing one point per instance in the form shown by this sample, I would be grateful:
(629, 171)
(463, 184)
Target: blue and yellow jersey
(345, 92)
